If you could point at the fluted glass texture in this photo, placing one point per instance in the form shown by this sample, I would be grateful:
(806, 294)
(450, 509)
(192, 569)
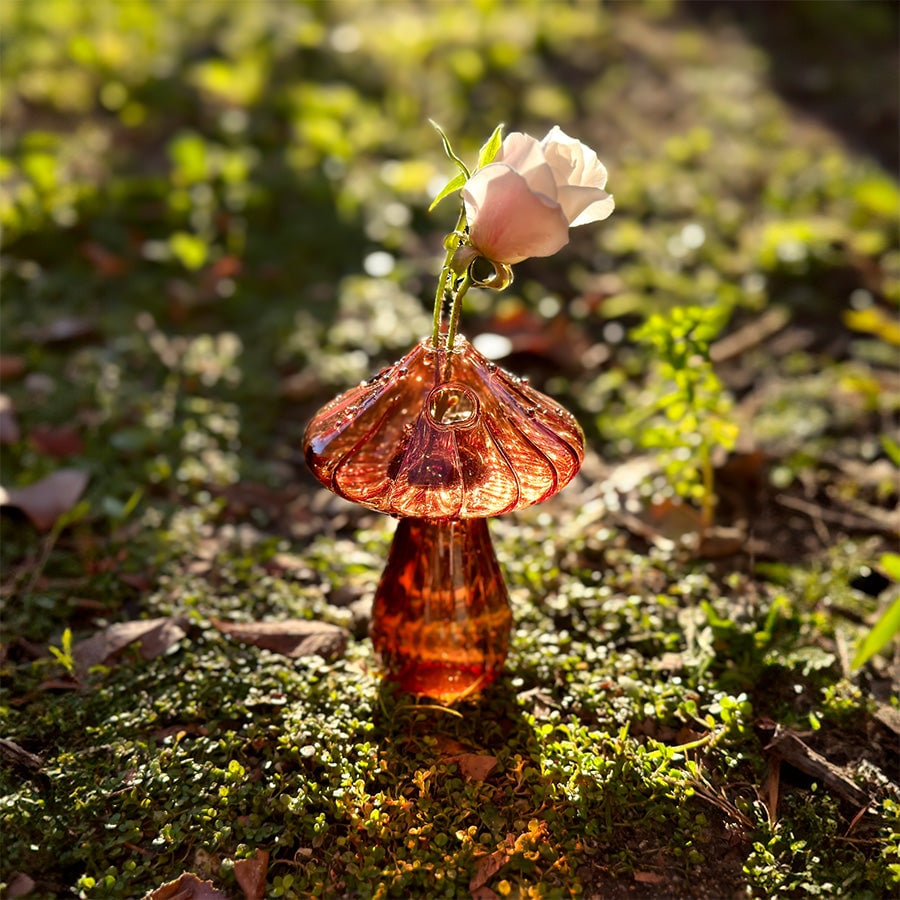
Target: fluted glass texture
(444, 434)
(441, 616)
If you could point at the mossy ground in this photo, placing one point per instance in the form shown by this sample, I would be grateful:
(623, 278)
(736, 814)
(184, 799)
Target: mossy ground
(196, 190)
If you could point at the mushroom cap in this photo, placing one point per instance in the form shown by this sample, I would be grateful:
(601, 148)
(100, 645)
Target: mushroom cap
(444, 434)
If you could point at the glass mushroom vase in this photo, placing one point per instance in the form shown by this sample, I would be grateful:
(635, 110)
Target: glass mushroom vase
(443, 439)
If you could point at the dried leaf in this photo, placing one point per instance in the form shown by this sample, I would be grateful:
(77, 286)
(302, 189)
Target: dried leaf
(104, 261)
(486, 868)
(11, 366)
(9, 424)
(720, 541)
(786, 745)
(473, 766)
(14, 755)
(770, 790)
(251, 875)
(290, 637)
(649, 878)
(186, 887)
(889, 717)
(56, 442)
(65, 330)
(46, 500)
(156, 636)
(484, 893)
(20, 885)
(448, 746)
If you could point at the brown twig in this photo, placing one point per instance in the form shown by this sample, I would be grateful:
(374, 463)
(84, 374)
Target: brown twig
(788, 747)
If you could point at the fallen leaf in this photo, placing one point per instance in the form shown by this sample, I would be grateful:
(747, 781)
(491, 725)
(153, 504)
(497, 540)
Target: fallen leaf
(670, 521)
(251, 875)
(290, 637)
(787, 746)
(448, 746)
(186, 887)
(486, 868)
(104, 261)
(560, 341)
(140, 581)
(224, 267)
(156, 636)
(14, 755)
(11, 366)
(46, 500)
(64, 330)
(889, 717)
(770, 788)
(649, 878)
(484, 893)
(721, 541)
(473, 766)
(56, 442)
(9, 424)
(20, 885)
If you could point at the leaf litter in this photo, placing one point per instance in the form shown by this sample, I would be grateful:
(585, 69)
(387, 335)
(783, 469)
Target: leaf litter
(45, 501)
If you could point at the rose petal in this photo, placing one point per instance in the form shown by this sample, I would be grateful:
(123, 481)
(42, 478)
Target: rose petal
(585, 204)
(517, 148)
(509, 222)
(525, 154)
(571, 161)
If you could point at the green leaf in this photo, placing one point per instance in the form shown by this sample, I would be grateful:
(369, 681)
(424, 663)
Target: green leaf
(890, 562)
(449, 150)
(453, 185)
(491, 147)
(189, 249)
(887, 627)
(892, 448)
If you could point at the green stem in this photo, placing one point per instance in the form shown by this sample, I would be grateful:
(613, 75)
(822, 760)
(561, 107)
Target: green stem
(439, 305)
(442, 280)
(709, 500)
(456, 309)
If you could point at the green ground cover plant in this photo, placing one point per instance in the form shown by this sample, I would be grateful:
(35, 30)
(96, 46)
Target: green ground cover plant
(215, 216)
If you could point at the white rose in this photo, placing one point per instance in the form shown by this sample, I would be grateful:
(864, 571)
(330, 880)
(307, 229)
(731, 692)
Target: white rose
(523, 203)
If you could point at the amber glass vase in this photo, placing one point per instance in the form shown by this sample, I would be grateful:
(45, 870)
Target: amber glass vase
(441, 617)
(443, 439)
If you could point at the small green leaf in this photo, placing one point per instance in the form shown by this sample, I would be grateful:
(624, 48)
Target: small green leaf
(887, 627)
(453, 185)
(892, 448)
(491, 147)
(890, 562)
(448, 149)
(190, 249)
